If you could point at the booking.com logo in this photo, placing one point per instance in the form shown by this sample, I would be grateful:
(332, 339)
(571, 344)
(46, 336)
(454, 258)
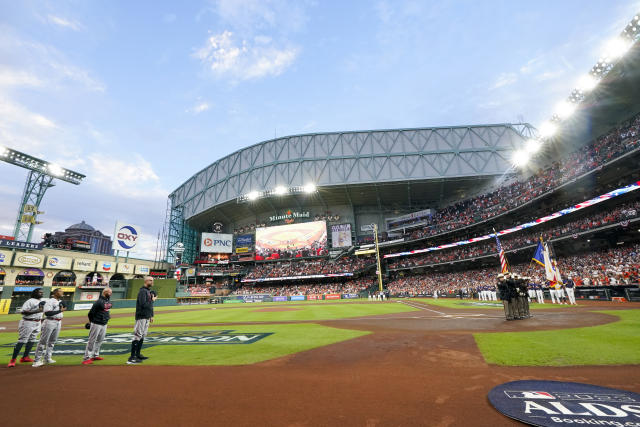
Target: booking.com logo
(127, 239)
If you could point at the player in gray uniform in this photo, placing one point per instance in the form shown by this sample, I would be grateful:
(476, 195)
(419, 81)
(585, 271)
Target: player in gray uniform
(98, 317)
(53, 309)
(144, 316)
(29, 327)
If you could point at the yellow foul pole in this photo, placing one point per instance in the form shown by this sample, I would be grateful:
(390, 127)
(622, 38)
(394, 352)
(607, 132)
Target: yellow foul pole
(379, 272)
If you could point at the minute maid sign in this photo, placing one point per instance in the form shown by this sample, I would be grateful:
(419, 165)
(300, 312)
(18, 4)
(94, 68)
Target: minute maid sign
(289, 216)
(121, 343)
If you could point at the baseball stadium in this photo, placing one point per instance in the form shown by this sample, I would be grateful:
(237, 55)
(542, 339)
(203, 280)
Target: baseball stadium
(441, 276)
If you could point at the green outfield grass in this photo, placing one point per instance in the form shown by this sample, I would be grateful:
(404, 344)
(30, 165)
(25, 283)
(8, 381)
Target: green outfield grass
(615, 343)
(284, 340)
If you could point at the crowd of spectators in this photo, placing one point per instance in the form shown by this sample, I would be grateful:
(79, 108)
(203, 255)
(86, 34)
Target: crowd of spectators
(524, 238)
(344, 287)
(617, 142)
(309, 267)
(617, 266)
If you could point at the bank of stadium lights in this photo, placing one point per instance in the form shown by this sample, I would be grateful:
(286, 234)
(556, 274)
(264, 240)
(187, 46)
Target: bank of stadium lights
(42, 166)
(278, 191)
(615, 49)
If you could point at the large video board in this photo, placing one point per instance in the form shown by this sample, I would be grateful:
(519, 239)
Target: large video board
(292, 241)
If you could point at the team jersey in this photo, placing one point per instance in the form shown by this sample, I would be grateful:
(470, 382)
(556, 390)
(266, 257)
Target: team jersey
(53, 304)
(31, 305)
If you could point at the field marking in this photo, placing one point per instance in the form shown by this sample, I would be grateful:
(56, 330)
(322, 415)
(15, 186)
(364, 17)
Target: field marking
(421, 307)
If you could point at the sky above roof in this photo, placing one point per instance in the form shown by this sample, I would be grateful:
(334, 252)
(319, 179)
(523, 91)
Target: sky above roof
(140, 95)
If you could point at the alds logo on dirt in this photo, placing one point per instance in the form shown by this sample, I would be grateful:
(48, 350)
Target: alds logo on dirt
(121, 343)
(554, 403)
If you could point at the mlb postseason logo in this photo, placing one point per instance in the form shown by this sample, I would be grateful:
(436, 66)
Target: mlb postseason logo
(554, 403)
(126, 236)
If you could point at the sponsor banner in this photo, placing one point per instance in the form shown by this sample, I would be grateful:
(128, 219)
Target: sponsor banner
(314, 297)
(18, 244)
(191, 271)
(279, 298)
(142, 269)
(297, 298)
(125, 268)
(254, 298)
(242, 250)
(244, 240)
(233, 301)
(332, 296)
(23, 259)
(349, 296)
(340, 235)
(89, 296)
(126, 237)
(55, 262)
(67, 288)
(215, 242)
(3, 237)
(82, 306)
(367, 227)
(106, 266)
(289, 216)
(553, 403)
(83, 264)
(4, 305)
(5, 257)
(24, 288)
(311, 276)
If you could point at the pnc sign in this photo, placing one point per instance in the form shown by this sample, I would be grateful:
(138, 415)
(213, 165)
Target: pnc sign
(126, 235)
(216, 243)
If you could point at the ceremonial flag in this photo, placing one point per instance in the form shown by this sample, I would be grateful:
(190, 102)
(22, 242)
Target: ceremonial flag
(538, 256)
(503, 260)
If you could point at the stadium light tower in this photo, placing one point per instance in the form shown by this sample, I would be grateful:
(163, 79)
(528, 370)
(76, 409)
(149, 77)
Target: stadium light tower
(41, 177)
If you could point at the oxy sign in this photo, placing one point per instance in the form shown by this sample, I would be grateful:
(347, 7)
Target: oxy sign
(126, 237)
(215, 242)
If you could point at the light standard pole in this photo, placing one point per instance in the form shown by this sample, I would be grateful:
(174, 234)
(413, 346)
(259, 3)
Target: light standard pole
(379, 271)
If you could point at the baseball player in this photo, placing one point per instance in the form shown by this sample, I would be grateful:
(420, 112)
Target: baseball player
(53, 309)
(29, 327)
(98, 317)
(569, 287)
(144, 316)
(553, 293)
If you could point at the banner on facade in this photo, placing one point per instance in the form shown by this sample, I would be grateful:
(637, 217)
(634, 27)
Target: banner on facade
(83, 264)
(126, 237)
(340, 235)
(24, 259)
(215, 242)
(55, 262)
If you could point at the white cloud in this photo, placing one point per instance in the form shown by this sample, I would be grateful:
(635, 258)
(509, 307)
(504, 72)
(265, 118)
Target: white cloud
(244, 60)
(131, 178)
(16, 78)
(199, 108)
(504, 79)
(249, 16)
(65, 23)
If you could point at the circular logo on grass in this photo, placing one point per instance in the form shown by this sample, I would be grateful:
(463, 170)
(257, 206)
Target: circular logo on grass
(554, 403)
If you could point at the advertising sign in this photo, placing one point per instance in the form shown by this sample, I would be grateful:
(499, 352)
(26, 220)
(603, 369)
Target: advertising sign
(59, 262)
(349, 296)
(244, 240)
(215, 242)
(279, 298)
(142, 269)
(32, 272)
(89, 296)
(340, 235)
(3, 237)
(332, 296)
(126, 237)
(106, 266)
(125, 268)
(18, 244)
(297, 298)
(314, 297)
(24, 259)
(5, 257)
(83, 264)
(290, 241)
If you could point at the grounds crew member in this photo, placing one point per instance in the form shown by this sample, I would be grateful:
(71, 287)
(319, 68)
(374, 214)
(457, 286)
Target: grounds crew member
(29, 327)
(53, 309)
(98, 317)
(144, 316)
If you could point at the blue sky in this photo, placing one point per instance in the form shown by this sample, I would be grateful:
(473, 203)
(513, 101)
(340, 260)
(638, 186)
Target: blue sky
(141, 95)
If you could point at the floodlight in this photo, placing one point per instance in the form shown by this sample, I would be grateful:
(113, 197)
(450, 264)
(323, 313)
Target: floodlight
(309, 188)
(532, 146)
(253, 195)
(547, 129)
(280, 190)
(55, 170)
(616, 48)
(565, 109)
(587, 83)
(520, 158)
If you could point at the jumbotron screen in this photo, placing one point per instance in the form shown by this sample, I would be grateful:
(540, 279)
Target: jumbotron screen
(305, 239)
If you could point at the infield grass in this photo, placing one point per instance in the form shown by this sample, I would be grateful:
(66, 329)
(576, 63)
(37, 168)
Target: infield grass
(473, 304)
(616, 343)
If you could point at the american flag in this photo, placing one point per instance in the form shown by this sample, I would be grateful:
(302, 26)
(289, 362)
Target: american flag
(503, 259)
